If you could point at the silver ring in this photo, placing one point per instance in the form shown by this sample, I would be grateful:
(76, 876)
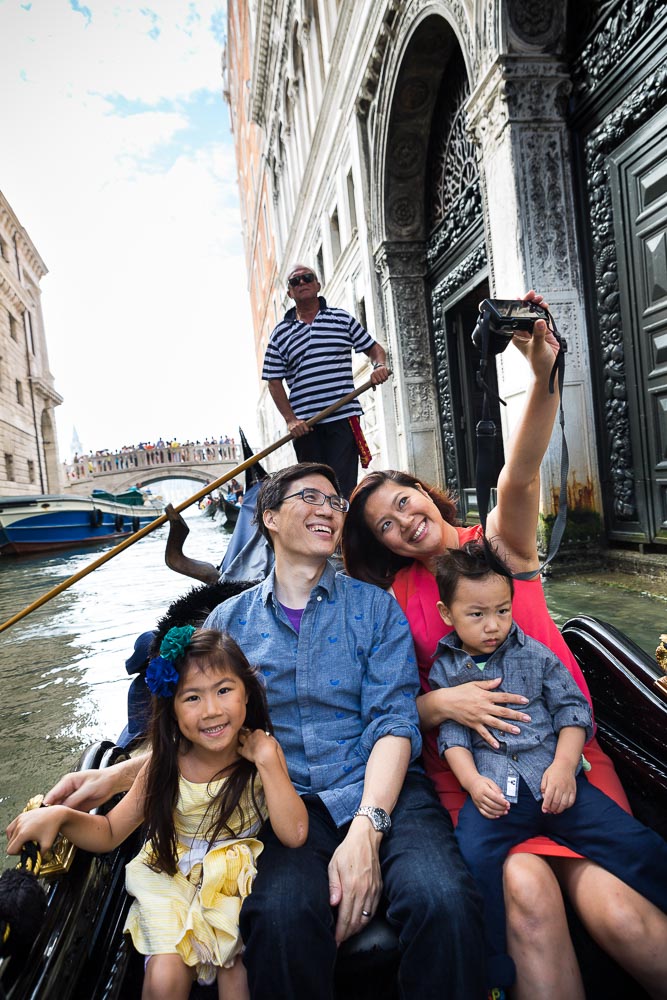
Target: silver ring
(365, 913)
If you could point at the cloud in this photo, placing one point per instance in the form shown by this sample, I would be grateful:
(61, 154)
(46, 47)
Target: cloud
(122, 170)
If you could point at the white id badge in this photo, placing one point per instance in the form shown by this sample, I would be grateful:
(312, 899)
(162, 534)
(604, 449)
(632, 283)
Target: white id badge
(512, 789)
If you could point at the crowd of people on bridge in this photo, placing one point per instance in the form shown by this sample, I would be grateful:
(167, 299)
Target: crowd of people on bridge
(160, 452)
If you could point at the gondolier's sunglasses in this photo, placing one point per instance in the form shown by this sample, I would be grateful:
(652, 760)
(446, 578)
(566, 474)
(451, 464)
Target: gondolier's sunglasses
(298, 278)
(317, 498)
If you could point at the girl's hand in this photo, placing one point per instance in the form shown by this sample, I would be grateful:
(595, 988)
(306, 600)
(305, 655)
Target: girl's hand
(479, 706)
(258, 746)
(559, 788)
(41, 825)
(488, 798)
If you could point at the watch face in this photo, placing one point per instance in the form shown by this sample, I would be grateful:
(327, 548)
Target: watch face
(378, 817)
(381, 820)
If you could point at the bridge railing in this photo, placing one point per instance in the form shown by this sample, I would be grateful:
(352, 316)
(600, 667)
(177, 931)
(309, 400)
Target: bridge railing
(149, 457)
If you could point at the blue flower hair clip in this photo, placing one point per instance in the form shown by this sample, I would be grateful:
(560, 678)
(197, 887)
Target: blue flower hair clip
(161, 675)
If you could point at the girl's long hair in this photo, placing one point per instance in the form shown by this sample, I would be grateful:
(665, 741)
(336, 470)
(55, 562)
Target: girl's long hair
(208, 649)
(365, 557)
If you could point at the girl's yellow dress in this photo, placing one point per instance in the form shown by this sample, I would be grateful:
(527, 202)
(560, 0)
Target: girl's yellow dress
(195, 913)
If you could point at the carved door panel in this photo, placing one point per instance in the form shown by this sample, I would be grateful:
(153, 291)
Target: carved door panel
(460, 397)
(639, 169)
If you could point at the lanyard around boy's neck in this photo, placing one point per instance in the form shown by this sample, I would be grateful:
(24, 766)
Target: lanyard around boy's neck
(486, 433)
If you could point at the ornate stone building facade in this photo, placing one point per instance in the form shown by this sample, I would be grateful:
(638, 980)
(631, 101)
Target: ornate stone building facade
(29, 461)
(425, 154)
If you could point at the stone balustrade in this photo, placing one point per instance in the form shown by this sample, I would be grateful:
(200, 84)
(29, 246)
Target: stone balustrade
(149, 457)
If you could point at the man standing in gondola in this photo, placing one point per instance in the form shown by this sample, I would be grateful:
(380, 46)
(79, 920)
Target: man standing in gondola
(311, 349)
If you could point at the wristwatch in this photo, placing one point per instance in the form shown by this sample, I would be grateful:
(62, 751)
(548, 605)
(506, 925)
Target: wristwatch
(378, 364)
(378, 817)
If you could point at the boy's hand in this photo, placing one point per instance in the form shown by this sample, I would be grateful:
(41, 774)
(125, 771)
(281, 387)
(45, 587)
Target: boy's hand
(488, 798)
(559, 788)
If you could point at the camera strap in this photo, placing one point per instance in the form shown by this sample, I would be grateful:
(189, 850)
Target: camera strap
(486, 432)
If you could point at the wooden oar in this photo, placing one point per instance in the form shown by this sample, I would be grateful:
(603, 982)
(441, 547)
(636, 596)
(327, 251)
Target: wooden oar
(159, 521)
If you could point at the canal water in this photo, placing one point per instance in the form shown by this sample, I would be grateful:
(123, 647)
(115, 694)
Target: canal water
(62, 671)
(62, 668)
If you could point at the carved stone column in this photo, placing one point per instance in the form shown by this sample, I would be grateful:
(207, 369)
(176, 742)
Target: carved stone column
(401, 267)
(517, 114)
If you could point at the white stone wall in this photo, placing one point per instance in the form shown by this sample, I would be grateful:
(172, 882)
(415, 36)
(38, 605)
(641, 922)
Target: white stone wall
(28, 441)
(323, 83)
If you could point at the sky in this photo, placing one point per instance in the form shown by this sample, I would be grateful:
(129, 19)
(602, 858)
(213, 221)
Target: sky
(117, 158)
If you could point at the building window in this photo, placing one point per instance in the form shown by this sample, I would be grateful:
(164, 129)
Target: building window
(320, 264)
(19, 392)
(335, 236)
(361, 313)
(31, 471)
(13, 327)
(9, 466)
(31, 340)
(351, 202)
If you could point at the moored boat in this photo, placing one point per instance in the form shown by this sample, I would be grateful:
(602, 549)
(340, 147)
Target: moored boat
(48, 522)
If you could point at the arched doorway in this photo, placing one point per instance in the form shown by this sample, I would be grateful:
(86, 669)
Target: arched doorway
(433, 258)
(457, 279)
(50, 446)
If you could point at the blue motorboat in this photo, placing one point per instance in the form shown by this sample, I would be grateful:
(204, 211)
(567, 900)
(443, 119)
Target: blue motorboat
(44, 523)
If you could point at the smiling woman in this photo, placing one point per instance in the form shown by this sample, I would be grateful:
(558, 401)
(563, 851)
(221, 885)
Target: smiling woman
(395, 530)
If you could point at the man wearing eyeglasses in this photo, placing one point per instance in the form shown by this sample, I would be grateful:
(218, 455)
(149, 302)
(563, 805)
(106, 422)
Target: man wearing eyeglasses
(341, 682)
(311, 350)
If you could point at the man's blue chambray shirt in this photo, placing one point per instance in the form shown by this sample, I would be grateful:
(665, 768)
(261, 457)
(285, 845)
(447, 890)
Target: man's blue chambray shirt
(529, 668)
(348, 678)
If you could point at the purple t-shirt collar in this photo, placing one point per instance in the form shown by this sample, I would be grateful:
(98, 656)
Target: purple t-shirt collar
(294, 615)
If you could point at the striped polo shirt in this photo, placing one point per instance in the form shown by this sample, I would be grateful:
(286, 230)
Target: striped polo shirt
(316, 360)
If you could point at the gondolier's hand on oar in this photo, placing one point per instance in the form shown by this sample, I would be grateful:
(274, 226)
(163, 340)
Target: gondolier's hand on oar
(379, 374)
(86, 790)
(298, 428)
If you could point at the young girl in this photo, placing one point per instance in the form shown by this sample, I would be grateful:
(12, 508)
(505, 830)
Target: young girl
(214, 776)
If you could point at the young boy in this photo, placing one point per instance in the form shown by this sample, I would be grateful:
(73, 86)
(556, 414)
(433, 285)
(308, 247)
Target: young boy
(533, 783)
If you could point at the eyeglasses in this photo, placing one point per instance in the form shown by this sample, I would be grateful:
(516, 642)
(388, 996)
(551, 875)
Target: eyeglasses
(317, 498)
(298, 278)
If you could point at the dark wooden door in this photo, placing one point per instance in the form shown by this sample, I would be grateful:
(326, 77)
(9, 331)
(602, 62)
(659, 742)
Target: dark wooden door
(460, 320)
(639, 191)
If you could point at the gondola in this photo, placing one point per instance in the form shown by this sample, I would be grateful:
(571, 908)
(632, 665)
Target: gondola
(79, 950)
(230, 511)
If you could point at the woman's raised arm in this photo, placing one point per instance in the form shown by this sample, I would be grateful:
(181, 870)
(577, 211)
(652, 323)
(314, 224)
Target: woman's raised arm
(514, 520)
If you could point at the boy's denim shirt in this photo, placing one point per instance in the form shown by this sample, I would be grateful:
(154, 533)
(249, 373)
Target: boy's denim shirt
(348, 678)
(528, 668)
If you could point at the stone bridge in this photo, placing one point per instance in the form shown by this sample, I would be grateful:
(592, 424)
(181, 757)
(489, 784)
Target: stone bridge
(118, 471)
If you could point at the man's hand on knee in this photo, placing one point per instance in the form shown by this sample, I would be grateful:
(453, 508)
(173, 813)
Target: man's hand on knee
(355, 881)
